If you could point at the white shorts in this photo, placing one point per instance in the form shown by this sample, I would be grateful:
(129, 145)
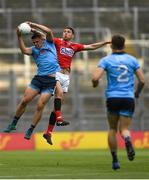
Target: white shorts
(64, 80)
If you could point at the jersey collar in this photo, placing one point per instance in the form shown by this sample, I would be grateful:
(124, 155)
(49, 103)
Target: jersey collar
(119, 53)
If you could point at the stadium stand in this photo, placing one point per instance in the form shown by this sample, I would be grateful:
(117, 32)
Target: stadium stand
(17, 4)
(51, 18)
(3, 21)
(93, 20)
(143, 17)
(137, 3)
(79, 4)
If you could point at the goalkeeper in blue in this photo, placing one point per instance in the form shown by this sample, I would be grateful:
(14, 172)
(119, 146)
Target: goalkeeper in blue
(120, 69)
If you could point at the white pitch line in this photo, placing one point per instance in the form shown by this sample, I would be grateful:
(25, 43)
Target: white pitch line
(57, 175)
(54, 175)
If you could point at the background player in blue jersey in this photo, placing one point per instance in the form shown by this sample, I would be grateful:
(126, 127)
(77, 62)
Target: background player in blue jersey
(120, 68)
(45, 57)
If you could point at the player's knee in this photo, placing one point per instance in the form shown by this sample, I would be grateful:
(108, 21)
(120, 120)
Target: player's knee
(40, 106)
(121, 130)
(25, 101)
(113, 130)
(59, 94)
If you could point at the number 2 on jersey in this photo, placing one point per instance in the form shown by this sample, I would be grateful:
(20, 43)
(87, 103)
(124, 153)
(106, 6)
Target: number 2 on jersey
(123, 76)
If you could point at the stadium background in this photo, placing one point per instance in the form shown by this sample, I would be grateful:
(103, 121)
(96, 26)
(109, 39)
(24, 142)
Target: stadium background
(93, 20)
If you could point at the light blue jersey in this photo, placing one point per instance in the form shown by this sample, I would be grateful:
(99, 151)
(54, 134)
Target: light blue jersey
(120, 68)
(46, 58)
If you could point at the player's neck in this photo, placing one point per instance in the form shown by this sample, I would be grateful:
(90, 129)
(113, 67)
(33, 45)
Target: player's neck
(68, 40)
(117, 51)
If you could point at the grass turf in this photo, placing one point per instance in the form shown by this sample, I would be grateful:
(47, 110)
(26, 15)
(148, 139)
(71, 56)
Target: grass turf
(80, 164)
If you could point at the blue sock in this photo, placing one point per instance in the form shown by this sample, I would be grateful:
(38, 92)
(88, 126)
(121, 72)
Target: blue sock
(114, 156)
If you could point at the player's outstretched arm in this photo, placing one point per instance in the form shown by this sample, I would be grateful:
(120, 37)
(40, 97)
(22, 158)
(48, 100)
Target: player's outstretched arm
(96, 45)
(141, 82)
(23, 48)
(45, 29)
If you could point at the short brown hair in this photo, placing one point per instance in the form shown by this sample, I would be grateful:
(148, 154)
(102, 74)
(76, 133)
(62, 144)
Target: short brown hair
(118, 42)
(69, 27)
(36, 35)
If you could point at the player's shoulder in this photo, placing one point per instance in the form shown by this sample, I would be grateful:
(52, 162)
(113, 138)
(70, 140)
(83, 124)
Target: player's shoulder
(106, 58)
(75, 43)
(56, 39)
(34, 48)
(131, 57)
(47, 43)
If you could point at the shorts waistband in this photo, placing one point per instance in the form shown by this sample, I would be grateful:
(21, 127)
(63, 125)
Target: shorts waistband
(51, 75)
(65, 71)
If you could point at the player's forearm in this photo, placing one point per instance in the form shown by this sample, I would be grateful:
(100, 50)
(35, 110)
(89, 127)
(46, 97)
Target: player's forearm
(139, 88)
(99, 44)
(96, 45)
(21, 44)
(97, 75)
(48, 31)
(23, 48)
(41, 27)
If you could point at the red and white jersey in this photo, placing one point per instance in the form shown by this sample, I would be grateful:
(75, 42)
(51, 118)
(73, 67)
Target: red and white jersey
(65, 51)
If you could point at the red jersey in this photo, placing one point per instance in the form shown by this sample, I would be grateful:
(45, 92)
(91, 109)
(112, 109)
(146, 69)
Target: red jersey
(65, 51)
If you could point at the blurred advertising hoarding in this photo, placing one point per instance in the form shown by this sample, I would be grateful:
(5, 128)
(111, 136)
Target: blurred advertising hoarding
(16, 141)
(68, 141)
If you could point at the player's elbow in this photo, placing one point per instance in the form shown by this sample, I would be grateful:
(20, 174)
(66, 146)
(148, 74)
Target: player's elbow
(23, 51)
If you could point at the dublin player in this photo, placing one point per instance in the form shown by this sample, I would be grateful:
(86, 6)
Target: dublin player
(43, 84)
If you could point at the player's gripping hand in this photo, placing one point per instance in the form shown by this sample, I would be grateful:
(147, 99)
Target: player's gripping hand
(136, 94)
(95, 83)
(18, 31)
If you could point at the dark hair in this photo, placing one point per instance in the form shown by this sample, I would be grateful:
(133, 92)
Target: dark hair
(69, 27)
(118, 42)
(36, 35)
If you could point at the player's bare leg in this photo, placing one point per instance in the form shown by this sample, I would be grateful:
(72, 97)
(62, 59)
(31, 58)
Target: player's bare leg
(125, 133)
(43, 99)
(28, 96)
(112, 141)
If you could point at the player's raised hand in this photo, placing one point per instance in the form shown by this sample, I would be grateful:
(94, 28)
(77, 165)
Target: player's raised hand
(29, 23)
(33, 30)
(32, 25)
(18, 31)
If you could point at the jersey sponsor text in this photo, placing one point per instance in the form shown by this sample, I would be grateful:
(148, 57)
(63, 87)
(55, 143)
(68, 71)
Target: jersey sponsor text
(67, 51)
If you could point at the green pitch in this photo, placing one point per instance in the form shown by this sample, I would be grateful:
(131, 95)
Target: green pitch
(80, 164)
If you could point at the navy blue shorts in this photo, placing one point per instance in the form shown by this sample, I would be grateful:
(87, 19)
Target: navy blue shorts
(121, 106)
(43, 84)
